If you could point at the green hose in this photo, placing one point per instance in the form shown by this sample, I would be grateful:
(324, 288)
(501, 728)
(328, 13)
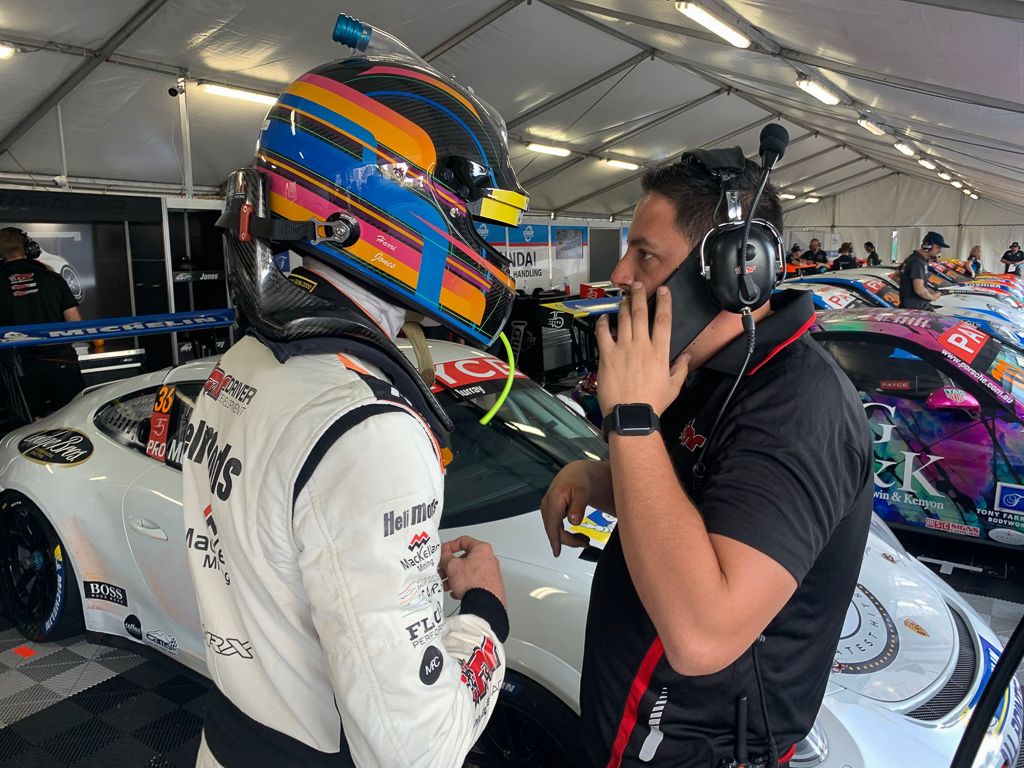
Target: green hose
(508, 383)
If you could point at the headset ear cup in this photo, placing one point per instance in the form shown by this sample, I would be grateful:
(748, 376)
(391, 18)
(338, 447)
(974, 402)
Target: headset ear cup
(720, 248)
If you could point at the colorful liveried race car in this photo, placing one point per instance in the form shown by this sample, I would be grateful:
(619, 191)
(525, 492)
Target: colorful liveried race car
(946, 402)
(92, 535)
(997, 315)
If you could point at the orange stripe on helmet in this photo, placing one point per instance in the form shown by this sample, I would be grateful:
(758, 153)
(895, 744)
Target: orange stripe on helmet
(387, 126)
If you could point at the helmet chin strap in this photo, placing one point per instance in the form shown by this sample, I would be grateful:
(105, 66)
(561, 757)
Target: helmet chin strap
(421, 349)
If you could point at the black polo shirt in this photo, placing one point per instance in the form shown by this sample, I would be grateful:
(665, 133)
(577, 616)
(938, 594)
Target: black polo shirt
(30, 293)
(791, 478)
(818, 257)
(915, 267)
(1015, 259)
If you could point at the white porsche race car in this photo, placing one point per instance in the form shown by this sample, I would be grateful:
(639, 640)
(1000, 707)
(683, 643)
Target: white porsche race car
(91, 536)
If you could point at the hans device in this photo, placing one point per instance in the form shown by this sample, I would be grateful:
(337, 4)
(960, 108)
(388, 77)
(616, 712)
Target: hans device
(631, 420)
(738, 263)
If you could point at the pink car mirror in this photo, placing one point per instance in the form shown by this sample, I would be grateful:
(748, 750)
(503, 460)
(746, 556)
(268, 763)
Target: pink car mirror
(950, 399)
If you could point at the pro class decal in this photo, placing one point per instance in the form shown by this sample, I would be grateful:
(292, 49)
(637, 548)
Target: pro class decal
(159, 423)
(869, 641)
(58, 600)
(99, 590)
(63, 447)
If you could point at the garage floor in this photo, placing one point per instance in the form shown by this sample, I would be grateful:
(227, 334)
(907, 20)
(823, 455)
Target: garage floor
(79, 705)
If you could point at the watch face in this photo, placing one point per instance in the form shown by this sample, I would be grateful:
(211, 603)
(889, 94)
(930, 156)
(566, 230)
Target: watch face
(635, 419)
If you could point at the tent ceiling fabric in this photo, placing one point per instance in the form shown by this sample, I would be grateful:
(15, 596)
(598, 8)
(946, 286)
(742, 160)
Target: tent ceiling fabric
(915, 66)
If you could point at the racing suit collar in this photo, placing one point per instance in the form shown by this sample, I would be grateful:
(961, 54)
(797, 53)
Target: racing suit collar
(388, 316)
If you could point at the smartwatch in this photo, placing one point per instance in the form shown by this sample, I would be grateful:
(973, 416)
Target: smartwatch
(631, 420)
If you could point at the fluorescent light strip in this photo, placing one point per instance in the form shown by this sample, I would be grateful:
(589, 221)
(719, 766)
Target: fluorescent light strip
(623, 165)
(926, 164)
(817, 90)
(945, 176)
(713, 24)
(6, 51)
(966, 191)
(871, 126)
(974, 196)
(904, 149)
(237, 93)
(812, 200)
(957, 184)
(786, 196)
(544, 149)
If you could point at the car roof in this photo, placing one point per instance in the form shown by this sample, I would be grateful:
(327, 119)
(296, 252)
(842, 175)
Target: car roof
(926, 325)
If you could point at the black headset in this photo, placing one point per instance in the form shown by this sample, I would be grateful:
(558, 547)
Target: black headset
(30, 246)
(741, 259)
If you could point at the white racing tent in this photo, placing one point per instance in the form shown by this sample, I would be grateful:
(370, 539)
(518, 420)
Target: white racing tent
(628, 80)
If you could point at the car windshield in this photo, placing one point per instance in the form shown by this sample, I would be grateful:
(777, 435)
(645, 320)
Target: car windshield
(1007, 368)
(883, 289)
(504, 469)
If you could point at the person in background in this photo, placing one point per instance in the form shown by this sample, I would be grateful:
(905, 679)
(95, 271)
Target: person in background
(974, 260)
(795, 255)
(914, 290)
(845, 259)
(1012, 258)
(816, 256)
(30, 293)
(873, 257)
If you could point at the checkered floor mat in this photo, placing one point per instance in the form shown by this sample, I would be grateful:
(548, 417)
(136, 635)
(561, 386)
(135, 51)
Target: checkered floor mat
(78, 705)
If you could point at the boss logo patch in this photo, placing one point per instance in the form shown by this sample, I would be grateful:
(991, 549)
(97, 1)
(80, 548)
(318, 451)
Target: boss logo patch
(98, 590)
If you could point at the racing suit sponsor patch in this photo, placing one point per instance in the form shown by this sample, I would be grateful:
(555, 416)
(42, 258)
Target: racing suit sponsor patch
(208, 544)
(133, 626)
(423, 550)
(479, 668)
(201, 445)
(100, 590)
(415, 515)
(431, 665)
(228, 646)
(232, 393)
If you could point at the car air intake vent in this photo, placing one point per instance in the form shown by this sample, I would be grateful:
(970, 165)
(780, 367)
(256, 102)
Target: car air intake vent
(955, 691)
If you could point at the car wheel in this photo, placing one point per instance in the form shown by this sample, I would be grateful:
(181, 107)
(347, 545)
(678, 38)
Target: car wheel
(530, 728)
(38, 586)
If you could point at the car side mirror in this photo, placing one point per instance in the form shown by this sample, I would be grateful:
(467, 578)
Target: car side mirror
(952, 399)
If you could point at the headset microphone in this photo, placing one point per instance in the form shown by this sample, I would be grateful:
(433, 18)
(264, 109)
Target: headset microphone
(774, 140)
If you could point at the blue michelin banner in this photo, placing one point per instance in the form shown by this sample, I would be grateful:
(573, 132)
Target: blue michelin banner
(112, 328)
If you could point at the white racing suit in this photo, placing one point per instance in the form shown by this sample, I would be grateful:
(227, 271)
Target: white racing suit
(322, 613)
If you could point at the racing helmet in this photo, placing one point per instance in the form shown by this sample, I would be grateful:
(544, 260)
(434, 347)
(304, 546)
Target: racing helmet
(406, 159)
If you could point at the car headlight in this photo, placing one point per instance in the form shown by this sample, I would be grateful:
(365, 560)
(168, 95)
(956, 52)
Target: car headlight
(882, 531)
(812, 750)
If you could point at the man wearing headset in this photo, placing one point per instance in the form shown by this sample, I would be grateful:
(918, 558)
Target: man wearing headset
(730, 582)
(915, 293)
(31, 293)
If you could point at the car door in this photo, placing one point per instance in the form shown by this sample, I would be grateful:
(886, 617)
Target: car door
(936, 465)
(155, 528)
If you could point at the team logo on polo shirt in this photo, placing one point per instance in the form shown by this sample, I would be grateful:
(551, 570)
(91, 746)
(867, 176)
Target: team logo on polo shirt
(690, 438)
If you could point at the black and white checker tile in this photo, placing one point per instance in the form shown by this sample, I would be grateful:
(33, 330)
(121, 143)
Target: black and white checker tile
(78, 705)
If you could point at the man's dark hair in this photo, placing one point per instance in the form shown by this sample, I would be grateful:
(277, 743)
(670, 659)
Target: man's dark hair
(697, 196)
(12, 242)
